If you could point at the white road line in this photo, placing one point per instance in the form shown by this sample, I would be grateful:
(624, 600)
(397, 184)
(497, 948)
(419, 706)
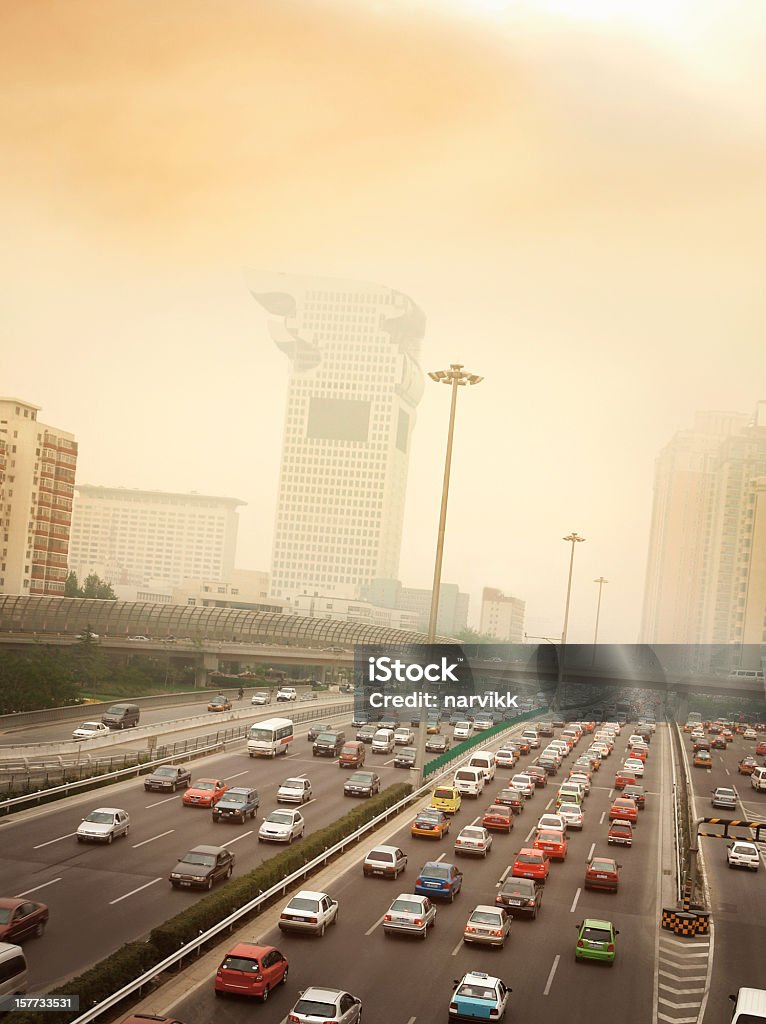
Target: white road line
(388, 762)
(590, 852)
(529, 834)
(157, 804)
(237, 838)
(728, 772)
(28, 892)
(549, 803)
(601, 819)
(574, 901)
(549, 982)
(134, 891)
(477, 818)
(227, 778)
(372, 929)
(503, 877)
(440, 857)
(160, 836)
(412, 1020)
(457, 948)
(51, 841)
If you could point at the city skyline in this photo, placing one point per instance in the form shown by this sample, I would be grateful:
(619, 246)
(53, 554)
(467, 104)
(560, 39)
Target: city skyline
(593, 252)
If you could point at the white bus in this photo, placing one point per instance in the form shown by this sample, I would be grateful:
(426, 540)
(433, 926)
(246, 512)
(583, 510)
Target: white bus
(269, 738)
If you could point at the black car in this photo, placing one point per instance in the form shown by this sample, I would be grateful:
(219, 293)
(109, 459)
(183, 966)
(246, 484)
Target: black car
(168, 777)
(437, 744)
(202, 866)
(358, 720)
(236, 804)
(315, 730)
(512, 798)
(406, 757)
(520, 896)
(548, 765)
(366, 733)
(328, 744)
(389, 722)
(637, 793)
(362, 784)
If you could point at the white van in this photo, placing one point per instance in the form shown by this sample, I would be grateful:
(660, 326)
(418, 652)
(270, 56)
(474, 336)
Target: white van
(486, 761)
(749, 1006)
(383, 741)
(13, 970)
(758, 779)
(469, 781)
(462, 730)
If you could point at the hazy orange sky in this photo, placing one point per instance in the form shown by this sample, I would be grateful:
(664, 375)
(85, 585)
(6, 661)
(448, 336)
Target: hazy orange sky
(577, 203)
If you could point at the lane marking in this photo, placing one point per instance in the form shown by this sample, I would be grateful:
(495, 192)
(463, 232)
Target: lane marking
(478, 818)
(503, 877)
(457, 948)
(160, 836)
(574, 901)
(165, 801)
(601, 819)
(134, 891)
(28, 892)
(549, 982)
(372, 929)
(529, 834)
(226, 778)
(440, 857)
(549, 803)
(590, 852)
(51, 841)
(237, 838)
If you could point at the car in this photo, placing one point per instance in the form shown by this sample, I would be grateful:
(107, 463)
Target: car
(90, 731)
(262, 697)
(635, 766)
(602, 873)
(446, 799)
(21, 919)
(314, 731)
(328, 1005)
(103, 825)
(201, 867)
(473, 840)
(204, 793)
(521, 896)
(87, 635)
(582, 766)
(549, 764)
(743, 855)
(287, 693)
(596, 940)
(538, 775)
(403, 736)
(512, 798)
(487, 926)
(724, 796)
(555, 821)
(506, 757)
(624, 778)
(718, 743)
(553, 842)
(531, 863)
(749, 734)
(385, 862)
(437, 744)
(701, 743)
(366, 733)
(295, 791)
(409, 914)
(702, 759)
(362, 784)
(581, 779)
(747, 765)
(236, 804)
(524, 784)
(761, 748)
(572, 815)
(498, 818)
(523, 745)
(328, 743)
(251, 970)
(636, 793)
(167, 777)
(282, 826)
(219, 704)
(309, 911)
(624, 807)
(433, 728)
(141, 639)
(439, 879)
(620, 833)
(405, 757)
(478, 996)
(430, 824)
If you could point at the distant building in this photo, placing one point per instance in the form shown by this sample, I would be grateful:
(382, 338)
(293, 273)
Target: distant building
(37, 476)
(352, 393)
(452, 616)
(319, 606)
(502, 617)
(131, 537)
(247, 589)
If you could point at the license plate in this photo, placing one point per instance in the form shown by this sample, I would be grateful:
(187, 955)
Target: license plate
(432, 885)
(401, 920)
(378, 871)
(601, 876)
(514, 903)
(185, 883)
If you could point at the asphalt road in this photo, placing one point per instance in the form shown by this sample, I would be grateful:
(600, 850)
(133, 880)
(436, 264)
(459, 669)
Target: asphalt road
(405, 981)
(738, 896)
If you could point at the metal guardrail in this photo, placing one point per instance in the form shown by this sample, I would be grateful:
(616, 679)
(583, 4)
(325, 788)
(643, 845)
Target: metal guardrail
(476, 740)
(7, 806)
(677, 836)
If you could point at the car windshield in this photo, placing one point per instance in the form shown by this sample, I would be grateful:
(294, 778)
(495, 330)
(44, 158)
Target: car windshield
(472, 833)
(236, 798)
(203, 859)
(361, 777)
(407, 907)
(435, 871)
(549, 837)
(327, 737)
(518, 887)
(204, 785)
(292, 784)
(726, 792)
(745, 848)
(428, 815)
(303, 903)
(407, 752)
(165, 772)
(485, 917)
(100, 817)
(508, 794)
(618, 827)
(570, 809)
(596, 935)
(382, 855)
(498, 809)
(312, 1008)
(240, 963)
(280, 818)
(476, 992)
(91, 725)
(443, 794)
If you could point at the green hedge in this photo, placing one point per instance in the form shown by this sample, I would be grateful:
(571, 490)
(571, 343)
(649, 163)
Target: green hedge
(127, 963)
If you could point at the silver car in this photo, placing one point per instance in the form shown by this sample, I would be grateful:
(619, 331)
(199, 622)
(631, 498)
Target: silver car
(294, 791)
(328, 1005)
(410, 914)
(282, 827)
(103, 825)
(309, 911)
(524, 784)
(724, 796)
(473, 840)
(488, 926)
(90, 730)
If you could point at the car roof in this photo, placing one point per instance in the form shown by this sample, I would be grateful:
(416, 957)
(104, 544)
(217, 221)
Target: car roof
(248, 949)
(109, 810)
(595, 922)
(8, 902)
(478, 976)
(308, 894)
(385, 849)
(486, 908)
(323, 994)
(207, 849)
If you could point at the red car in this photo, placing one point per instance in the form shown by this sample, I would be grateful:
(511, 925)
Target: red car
(747, 765)
(20, 919)
(719, 743)
(250, 970)
(498, 818)
(538, 775)
(204, 793)
(640, 752)
(761, 748)
(530, 863)
(620, 833)
(552, 842)
(624, 778)
(624, 807)
(603, 873)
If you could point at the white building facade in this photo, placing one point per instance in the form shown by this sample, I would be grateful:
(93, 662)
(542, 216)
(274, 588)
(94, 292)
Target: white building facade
(502, 616)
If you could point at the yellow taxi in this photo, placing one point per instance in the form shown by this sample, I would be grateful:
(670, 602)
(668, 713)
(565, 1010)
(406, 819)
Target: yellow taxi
(430, 824)
(446, 799)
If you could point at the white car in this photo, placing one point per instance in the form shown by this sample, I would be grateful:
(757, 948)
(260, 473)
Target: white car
(749, 734)
(572, 815)
(635, 766)
(525, 784)
(329, 1005)
(294, 791)
(404, 737)
(287, 693)
(473, 840)
(462, 731)
(552, 821)
(90, 730)
(282, 827)
(140, 638)
(506, 758)
(410, 914)
(309, 911)
(743, 855)
(261, 698)
(488, 926)
(582, 780)
(103, 825)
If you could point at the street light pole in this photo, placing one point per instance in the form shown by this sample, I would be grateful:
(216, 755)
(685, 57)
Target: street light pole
(571, 538)
(601, 581)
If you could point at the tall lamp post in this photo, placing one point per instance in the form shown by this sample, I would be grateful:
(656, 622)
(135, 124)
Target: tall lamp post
(456, 377)
(601, 581)
(573, 539)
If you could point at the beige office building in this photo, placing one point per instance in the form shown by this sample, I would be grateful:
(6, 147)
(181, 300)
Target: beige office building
(37, 475)
(502, 616)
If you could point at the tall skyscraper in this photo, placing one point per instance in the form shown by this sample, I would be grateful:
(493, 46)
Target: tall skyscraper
(37, 474)
(136, 537)
(705, 578)
(353, 388)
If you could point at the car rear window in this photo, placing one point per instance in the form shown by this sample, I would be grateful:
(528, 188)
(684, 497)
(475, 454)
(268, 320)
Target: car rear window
(443, 794)
(381, 855)
(407, 906)
(596, 935)
(524, 858)
(476, 992)
(240, 963)
(435, 871)
(312, 1008)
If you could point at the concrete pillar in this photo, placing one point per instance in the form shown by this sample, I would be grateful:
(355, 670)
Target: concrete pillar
(206, 663)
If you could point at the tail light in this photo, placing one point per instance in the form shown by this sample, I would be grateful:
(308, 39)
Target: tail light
(292, 1019)
(497, 933)
(257, 977)
(580, 944)
(312, 920)
(418, 922)
(481, 845)
(469, 929)
(283, 917)
(452, 1007)
(531, 903)
(386, 917)
(458, 842)
(610, 948)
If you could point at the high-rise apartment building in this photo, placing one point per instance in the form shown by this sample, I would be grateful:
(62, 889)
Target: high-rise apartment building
(705, 573)
(452, 615)
(134, 537)
(37, 474)
(502, 616)
(353, 389)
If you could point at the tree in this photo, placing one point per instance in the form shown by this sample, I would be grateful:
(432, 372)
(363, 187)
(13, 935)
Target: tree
(71, 587)
(93, 587)
(473, 636)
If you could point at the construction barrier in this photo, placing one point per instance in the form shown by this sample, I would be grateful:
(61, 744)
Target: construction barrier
(686, 923)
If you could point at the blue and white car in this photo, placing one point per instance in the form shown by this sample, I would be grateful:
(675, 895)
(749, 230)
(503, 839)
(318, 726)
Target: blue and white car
(479, 996)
